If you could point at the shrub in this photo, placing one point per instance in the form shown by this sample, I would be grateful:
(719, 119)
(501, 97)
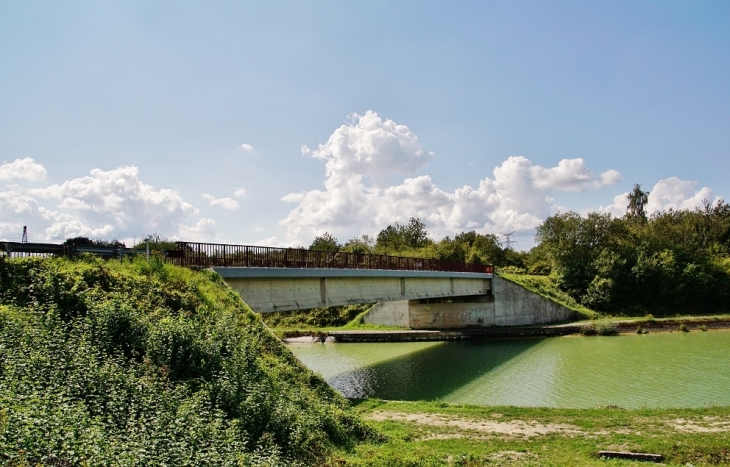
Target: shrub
(103, 363)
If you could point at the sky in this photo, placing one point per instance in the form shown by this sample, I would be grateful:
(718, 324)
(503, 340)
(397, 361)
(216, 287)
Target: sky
(272, 122)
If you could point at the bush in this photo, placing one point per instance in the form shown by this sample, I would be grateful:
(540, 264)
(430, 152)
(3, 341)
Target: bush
(148, 364)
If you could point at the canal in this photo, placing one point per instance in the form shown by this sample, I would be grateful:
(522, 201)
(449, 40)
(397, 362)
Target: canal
(675, 369)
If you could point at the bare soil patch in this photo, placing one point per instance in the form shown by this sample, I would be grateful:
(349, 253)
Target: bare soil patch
(511, 428)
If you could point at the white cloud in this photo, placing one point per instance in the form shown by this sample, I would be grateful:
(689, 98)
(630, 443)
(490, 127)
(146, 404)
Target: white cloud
(355, 198)
(258, 228)
(22, 169)
(369, 146)
(667, 193)
(226, 203)
(246, 147)
(104, 204)
(240, 193)
(676, 194)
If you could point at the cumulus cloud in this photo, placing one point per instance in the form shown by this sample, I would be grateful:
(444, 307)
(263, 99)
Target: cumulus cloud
(370, 146)
(356, 199)
(22, 169)
(240, 193)
(226, 203)
(246, 147)
(667, 193)
(104, 204)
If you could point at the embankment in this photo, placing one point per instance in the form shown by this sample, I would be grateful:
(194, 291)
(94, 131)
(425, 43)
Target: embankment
(136, 363)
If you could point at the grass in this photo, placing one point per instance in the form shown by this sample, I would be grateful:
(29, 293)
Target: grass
(438, 434)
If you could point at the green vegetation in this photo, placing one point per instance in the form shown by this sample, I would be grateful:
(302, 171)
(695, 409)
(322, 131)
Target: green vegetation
(674, 262)
(136, 363)
(333, 316)
(438, 434)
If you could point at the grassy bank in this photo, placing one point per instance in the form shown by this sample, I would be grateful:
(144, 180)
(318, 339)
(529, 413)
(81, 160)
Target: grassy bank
(139, 363)
(435, 434)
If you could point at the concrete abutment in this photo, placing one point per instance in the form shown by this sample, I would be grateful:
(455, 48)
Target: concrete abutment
(508, 304)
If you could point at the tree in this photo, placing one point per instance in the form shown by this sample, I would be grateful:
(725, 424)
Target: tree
(359, 245)
(325, 242)
(637, 203)
(396, 238)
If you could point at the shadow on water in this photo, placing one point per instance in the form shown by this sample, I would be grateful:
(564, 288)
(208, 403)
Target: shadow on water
(430, 373)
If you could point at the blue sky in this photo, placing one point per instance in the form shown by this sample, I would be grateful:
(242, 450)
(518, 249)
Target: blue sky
(271, 122)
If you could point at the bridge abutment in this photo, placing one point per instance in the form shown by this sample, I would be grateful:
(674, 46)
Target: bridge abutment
(509, 305)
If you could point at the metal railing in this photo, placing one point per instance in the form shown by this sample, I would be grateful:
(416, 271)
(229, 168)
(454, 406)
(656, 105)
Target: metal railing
(206, 255)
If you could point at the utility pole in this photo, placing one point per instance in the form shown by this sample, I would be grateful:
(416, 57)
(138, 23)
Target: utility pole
(25, 234)
(508, 240)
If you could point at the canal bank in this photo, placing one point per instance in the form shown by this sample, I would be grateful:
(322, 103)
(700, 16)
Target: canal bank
(607, 326)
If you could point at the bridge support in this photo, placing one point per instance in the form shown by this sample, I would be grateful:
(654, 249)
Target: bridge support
(509, 305)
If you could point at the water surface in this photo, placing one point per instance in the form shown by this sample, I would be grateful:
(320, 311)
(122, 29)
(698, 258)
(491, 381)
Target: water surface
(653, 370)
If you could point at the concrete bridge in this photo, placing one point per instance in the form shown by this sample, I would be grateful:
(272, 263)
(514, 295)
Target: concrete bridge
(268, 290)
(410, 299)
(417, 293)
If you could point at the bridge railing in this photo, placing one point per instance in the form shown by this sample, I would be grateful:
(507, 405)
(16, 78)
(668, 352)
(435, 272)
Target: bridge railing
(205, 255)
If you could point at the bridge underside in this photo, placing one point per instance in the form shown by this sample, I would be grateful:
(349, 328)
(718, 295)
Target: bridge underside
(268, 290)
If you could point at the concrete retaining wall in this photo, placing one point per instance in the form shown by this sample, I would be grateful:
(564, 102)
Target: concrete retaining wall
(515, 305)
(510, 305)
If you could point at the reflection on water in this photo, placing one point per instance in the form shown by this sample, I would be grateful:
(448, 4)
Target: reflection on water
(654, 370)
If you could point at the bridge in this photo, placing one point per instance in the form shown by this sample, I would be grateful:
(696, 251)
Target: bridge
(419, 293)
(283, 279)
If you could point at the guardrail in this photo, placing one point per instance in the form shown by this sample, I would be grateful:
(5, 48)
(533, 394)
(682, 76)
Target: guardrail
(19, 249)
(206, 255)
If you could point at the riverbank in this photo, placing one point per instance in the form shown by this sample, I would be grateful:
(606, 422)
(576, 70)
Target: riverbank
(587, 327)
(438, 434)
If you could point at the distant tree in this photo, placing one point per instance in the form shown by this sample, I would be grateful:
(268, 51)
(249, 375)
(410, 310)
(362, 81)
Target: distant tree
(415, 233)
(360, 245)
(86, 241)
(156, 242)
(636, 208)
(325, 242)
(395, 238)
(481, 248)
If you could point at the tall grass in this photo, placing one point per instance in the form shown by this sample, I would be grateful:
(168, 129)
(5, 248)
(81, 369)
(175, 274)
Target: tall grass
(139, 363)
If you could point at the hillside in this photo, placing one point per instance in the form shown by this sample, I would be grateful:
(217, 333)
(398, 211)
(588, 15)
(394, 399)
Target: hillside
(148, 364)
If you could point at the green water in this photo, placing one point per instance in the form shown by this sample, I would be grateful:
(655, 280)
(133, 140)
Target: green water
(654, 370)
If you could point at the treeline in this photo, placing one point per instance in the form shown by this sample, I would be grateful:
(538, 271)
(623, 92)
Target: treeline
(413, 240)
(675, 261)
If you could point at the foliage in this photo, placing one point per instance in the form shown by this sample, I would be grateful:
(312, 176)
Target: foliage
(398, 237)
(360, 245)
(673, 262)
(156, 242)
(325, 242)
(139, 363)
(85, 241)
(317, 317)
